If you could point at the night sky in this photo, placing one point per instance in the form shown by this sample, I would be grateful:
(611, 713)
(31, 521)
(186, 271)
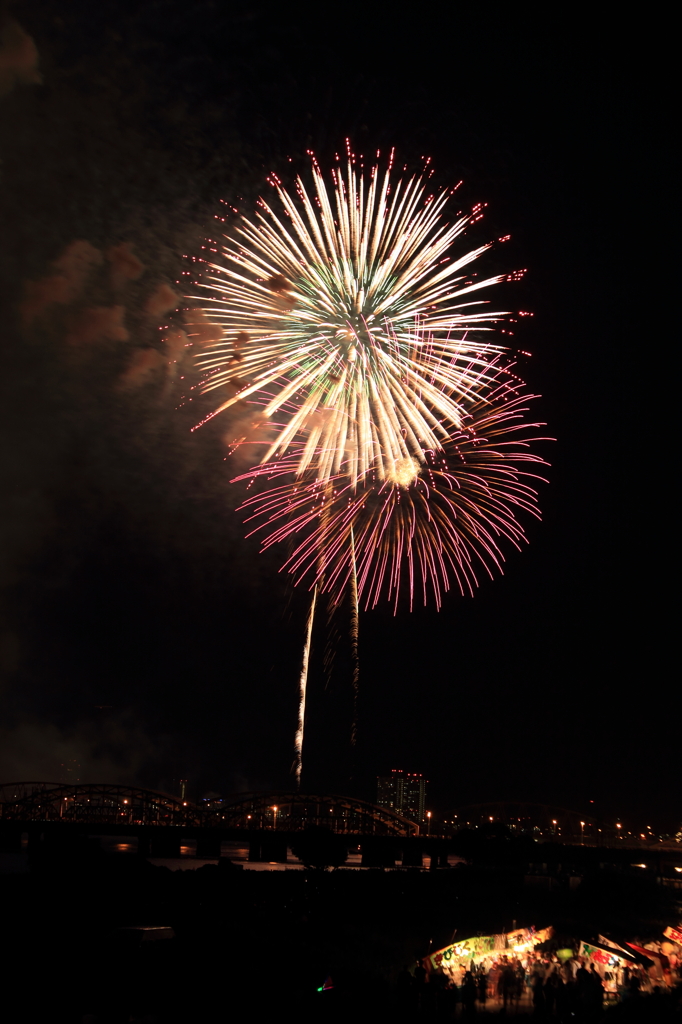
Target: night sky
(142, 639)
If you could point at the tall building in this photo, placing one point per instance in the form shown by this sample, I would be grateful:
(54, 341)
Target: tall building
(403, 792)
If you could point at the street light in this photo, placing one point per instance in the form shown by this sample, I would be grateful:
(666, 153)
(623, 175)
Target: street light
(582, 833)
(275, 817)
(428, 822)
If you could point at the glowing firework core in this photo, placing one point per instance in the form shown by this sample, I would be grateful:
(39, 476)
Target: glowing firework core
(404, 472)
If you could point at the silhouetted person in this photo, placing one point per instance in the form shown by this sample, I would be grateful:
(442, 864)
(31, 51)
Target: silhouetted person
(420, 984)
(562, 996)
(493, 977)
(538, 987)
(483, 987)
(582, 977)
(597, 990)
(520, 975)
(508, 981)
(634, 987)
(551, 986)
(468, 995)
(420, 975)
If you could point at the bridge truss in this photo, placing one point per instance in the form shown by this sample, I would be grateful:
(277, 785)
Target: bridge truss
(100, 804)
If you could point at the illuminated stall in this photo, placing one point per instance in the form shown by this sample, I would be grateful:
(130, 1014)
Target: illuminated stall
(672, 947)
(610, 962)
(660, 964)
(483, 951)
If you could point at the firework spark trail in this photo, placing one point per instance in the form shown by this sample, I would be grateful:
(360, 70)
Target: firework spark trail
(349, 303)
(354, 638)
(303, 687)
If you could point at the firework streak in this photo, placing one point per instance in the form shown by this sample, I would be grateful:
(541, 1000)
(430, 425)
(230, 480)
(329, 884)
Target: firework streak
(303, 687)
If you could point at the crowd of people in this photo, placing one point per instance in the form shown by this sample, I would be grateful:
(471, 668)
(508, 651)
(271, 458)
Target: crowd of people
(543, 985)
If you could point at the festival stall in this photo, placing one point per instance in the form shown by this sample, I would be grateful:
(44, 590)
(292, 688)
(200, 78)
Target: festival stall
(484, 951)
(672, 947)
(611, 961)
(660, 965)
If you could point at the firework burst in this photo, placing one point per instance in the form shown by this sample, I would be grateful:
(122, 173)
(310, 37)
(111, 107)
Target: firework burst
(439, 526)
(348, 301)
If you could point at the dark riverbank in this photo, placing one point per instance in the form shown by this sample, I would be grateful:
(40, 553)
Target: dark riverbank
(268, 940)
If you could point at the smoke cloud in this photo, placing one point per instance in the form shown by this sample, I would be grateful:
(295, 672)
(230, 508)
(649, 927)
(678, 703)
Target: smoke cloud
(143, 362)
(64, 285)
(114, 749)
(96, 324)
(124, 265)
(18, 58)
(161, 300)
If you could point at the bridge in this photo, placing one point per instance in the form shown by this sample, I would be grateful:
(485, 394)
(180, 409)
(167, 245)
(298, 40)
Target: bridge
(47, 815)
(268, 823)
(99, 804)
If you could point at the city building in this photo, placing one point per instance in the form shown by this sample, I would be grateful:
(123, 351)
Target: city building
(403, 792)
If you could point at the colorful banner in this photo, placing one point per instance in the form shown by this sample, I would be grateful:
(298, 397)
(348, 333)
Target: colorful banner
(600, 956)
(463, 948)
(527, 938)
(673, 933)
(514, 942)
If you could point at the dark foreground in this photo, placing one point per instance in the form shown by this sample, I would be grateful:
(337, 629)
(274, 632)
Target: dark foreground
(260, 945)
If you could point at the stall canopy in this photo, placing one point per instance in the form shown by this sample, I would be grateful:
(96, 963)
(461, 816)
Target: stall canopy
(642, 956)
(651, 954)
(518, 941)
(609, 956)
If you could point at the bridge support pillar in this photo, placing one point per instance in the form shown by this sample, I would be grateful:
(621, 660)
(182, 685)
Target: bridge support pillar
(412, 854)
(208, 846)
(144, 845)
(438, 855)
(166, 843)
(10, 838)
(254, 848)
(274, 850)
(377, 854)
